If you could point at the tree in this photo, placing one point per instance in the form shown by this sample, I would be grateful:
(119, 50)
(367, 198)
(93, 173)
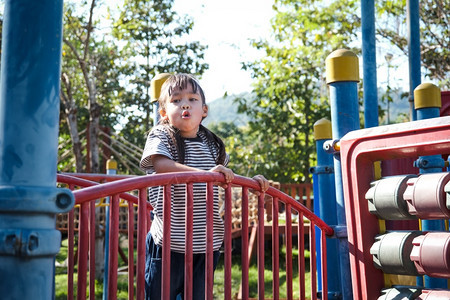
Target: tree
(155, 42)
(434, 34)
(89, 80)
(290, 92)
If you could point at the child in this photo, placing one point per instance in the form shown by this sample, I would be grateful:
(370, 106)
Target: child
(179, 144)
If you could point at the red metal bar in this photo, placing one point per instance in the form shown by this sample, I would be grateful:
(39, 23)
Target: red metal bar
(209, 241)
(359, 150)
(323, 251)
(188, 260)
(244, 241)
(92, 250)
(312, 259)
(70, 252)
(301, 255)
(275, 251)
(261, 246)
(228, 241)
(166, 243)
(83, 248)
(130, 251)
(141, 235)
(113, 246)
(288, 233)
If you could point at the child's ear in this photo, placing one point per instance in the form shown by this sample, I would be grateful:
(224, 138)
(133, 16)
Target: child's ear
(163, 114)
(205, 111)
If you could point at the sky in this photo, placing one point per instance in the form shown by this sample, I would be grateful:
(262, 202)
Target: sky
(226, 27)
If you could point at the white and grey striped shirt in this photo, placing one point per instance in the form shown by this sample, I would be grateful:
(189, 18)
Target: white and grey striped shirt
(200, 154)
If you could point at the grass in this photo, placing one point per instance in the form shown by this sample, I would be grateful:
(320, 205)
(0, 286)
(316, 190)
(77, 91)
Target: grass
(122, 284)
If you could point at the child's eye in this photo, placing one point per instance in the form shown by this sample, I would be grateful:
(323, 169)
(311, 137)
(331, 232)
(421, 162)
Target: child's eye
(193, 99)
(175, 100)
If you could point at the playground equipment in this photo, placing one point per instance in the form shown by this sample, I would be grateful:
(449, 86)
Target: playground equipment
(29, 201)
(86, 197)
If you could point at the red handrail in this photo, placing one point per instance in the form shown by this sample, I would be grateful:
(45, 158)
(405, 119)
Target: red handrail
(119, 189)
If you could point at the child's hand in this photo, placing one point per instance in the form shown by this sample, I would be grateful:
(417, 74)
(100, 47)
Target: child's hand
(263, 182)
(228, 173)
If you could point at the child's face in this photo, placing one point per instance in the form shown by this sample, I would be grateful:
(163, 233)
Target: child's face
(184, 110)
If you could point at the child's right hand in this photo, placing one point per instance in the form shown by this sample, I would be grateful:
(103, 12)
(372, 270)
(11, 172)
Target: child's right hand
(228, 173)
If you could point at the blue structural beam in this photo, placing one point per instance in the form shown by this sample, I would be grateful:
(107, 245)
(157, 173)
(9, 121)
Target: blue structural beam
(325, 203)
(369, 63)
(342, 73)
(29, 118)
(427, 101)
(413, 50)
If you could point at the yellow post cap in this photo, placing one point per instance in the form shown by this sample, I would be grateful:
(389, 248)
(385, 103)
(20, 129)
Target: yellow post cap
(156, 84)
(427, 95)
(111, 164)
(342, 65)
(322, 129)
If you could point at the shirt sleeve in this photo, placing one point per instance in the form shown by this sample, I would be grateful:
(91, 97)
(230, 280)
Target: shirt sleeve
(157, 144)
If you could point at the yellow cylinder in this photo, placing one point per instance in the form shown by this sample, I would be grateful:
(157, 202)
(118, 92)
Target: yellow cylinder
(342, 65)
(427, 95)
(322, 129)
(155, 86)
(111, 164)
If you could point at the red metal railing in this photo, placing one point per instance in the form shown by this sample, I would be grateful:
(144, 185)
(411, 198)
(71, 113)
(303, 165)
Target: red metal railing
(116, 190)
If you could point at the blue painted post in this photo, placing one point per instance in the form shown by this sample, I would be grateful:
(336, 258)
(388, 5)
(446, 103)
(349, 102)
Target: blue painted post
(325, 199)
(111, 169)
(316, 207)
(155, 86)
(413, 20)
(29, 119)
(342, 73)
(369, 63)
(427, 100)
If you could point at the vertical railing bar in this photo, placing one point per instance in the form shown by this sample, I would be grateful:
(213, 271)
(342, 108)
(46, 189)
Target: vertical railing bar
(308, 197)
(141, 235)
(261, 246)
(83, 235)
(288, 232)
(244, 240)
(312, 255)
(166, 243)
(209, 241)
(130, 251)
(324, 266)
(188, 259)
(275, 250)
(301, 255)
(92, 250)
(228, 241)
(113, 246)
(70, 250)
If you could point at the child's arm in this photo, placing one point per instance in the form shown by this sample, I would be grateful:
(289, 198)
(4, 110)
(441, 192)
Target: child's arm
(163, 164)
(263, 182)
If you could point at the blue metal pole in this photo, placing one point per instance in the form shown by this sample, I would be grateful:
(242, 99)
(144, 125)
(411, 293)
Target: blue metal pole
(325, 199)
(369, 63)
(316, 208)
(413, 20)
(342, 78)
(111, 169)
(427, 100)
(29, 119)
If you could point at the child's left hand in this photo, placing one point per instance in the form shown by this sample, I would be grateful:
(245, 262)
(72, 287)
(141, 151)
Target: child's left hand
(263, 182)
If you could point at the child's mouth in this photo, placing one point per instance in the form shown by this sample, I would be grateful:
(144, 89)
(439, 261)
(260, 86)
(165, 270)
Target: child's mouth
(185, 114)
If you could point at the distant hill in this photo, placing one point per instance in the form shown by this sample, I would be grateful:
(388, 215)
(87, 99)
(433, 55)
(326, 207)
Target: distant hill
(225, 110)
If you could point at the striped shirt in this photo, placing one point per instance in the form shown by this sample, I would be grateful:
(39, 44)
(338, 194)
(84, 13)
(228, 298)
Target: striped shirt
(200, 154)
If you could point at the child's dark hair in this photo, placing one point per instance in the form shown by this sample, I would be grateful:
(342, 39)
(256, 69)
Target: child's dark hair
(181, 81)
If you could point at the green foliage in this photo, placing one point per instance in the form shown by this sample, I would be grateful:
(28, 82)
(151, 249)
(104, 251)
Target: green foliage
(290, 92)
(434, 34)
(153, 42)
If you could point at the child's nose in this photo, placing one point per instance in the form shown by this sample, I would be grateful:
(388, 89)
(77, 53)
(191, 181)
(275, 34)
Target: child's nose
(185, 105)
